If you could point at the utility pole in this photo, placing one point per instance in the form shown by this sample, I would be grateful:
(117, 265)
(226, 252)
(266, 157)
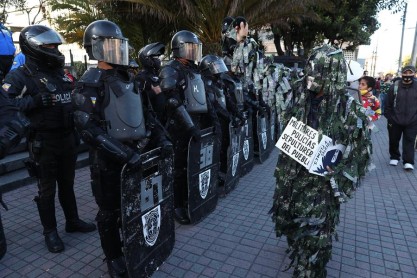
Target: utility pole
(414, 53)
(374, 57)
(402, 40)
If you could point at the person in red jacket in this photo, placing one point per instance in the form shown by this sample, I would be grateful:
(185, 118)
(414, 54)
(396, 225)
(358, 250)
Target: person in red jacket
(369, 101)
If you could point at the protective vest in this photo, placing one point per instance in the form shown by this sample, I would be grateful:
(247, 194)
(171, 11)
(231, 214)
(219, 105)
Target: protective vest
(123, 113)
(59, 116)
(194, 94)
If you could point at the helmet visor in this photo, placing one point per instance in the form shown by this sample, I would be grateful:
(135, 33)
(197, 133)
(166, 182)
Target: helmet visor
(217, 66)
(191, 51)
(113, 51)
(48, 37)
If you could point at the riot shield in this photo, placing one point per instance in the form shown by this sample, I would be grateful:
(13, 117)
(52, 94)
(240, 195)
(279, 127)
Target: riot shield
(234, 153)
(3, 244)
(247, 145)
(147, 214)
(202, 175)
(262, 136)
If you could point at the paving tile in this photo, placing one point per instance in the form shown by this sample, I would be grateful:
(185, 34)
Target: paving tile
(377, 231)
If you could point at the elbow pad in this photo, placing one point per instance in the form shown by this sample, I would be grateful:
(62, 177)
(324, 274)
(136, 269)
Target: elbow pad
(180, 113)
(82, 108)
(168, 78)
(81, 119)
(108, 146)
(183, 117)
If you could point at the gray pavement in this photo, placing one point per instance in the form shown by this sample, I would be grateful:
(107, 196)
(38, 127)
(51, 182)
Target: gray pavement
(377, 232)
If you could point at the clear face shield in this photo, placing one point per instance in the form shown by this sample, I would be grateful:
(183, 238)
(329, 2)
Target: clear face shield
(191, 51)
(112, 51)
(218, 67)
(49, 37)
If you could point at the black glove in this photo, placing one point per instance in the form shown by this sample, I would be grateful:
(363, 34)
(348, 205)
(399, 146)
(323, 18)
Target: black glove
(134, 162)
(255, 105)
(45, 100)
(236, 122)
(195, 133)
(166, 149)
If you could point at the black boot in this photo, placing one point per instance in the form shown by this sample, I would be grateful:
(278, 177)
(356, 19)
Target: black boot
(79, 226)
(54, 242)
(74, 223)
(181, 216)
(117, 267)
(47, 215)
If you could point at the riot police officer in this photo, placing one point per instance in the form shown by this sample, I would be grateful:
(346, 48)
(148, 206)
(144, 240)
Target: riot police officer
(13, 126)
(42, 91)
(211, 68)
(148, 80)
(187, 109)
(111, 119)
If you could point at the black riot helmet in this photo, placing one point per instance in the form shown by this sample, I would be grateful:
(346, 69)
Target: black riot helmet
(187, 45)
(211, 65)
(35, 42)
(149, 55)
(104, 41)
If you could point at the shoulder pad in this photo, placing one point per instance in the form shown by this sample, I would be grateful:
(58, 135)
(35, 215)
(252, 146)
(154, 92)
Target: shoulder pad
(168, 78)
(91, 77)
(168, 71)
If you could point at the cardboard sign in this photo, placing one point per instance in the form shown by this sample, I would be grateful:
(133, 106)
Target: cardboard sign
(300, 142)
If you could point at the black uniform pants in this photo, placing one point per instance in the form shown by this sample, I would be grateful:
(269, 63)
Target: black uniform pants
(105, 184)
(409, 134)
(54, 156)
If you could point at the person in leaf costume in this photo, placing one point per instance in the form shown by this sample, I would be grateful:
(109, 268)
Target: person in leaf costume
(306, 207)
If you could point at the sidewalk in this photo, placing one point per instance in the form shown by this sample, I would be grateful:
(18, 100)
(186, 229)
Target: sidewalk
(377, 232)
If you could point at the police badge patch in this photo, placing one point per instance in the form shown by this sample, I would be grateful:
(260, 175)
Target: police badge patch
(204, 183)
(93, 101)
(6, 86)
(151, 222)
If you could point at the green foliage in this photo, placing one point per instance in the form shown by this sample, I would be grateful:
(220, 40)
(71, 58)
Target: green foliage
(298, 24)
(80, 68)
(407, 61)
(71, 17)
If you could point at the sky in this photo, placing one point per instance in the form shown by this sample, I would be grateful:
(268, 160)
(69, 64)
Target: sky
(387, 40)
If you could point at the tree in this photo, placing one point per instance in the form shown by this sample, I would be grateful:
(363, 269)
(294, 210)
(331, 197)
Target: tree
(338, 21)
(298, 24)
(71, 17)
(32, 12)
